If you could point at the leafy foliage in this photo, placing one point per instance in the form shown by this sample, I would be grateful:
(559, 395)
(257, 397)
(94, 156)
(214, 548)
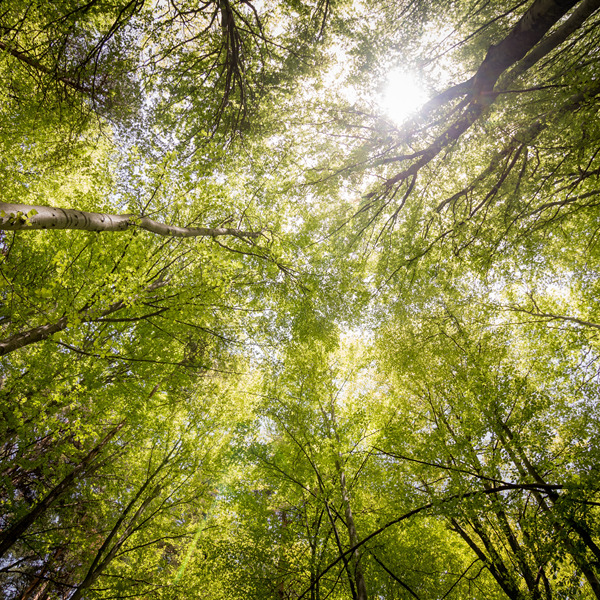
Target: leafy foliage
(390, 389)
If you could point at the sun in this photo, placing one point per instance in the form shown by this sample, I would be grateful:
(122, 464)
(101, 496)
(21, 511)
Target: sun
(402, 96)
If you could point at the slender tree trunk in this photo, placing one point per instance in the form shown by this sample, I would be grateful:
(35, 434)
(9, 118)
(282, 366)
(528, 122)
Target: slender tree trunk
(343, 557)
(504, 525)
(361, 587)
(35, 584)
(106, 554)
(41, 593)
(23, 217)
(314, 561)
(38, 586)
(98, 565)
(43, 332)
(9, 537)
(494, 563)
(38, 66)
(525, 468)
(502, 574)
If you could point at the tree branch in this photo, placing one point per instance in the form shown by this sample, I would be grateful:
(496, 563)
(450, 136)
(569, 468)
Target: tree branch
(23, 217)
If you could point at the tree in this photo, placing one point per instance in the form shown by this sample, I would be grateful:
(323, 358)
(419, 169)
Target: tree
(485, 417)
(21, 217)
(356, 359)
(471, 171)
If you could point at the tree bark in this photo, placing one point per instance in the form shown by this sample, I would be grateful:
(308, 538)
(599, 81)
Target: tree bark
(531, 28)
(23, 217)
(493, 562)
(574, 22)
(361, 587)
(525, 468)
(43, 332)
(523, 37)
(98, 566)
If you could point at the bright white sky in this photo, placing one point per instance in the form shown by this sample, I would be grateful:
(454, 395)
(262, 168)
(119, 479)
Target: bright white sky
(403, 95)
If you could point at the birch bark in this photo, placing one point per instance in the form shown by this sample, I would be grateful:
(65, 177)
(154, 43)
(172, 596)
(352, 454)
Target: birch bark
(23, 217)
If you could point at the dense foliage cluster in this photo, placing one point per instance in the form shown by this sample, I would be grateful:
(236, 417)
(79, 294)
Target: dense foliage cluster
(261, 340)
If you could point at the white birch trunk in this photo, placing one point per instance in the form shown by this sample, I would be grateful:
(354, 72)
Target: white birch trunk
(23, 217)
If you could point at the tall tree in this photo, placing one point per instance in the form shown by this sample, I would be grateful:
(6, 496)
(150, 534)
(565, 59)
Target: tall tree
(359, 358)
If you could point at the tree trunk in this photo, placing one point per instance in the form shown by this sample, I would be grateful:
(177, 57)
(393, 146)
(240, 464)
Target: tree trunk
(525, 468)
(98, 566)
(38, 66)
(23, 217)
(43, 332)
(572, 24)
(492, 560)
(523, 37)
(361, 587)
(9, 537)
(531, 28)
(106, 554)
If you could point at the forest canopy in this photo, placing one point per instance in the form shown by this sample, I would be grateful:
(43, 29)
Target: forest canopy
(300, 299)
